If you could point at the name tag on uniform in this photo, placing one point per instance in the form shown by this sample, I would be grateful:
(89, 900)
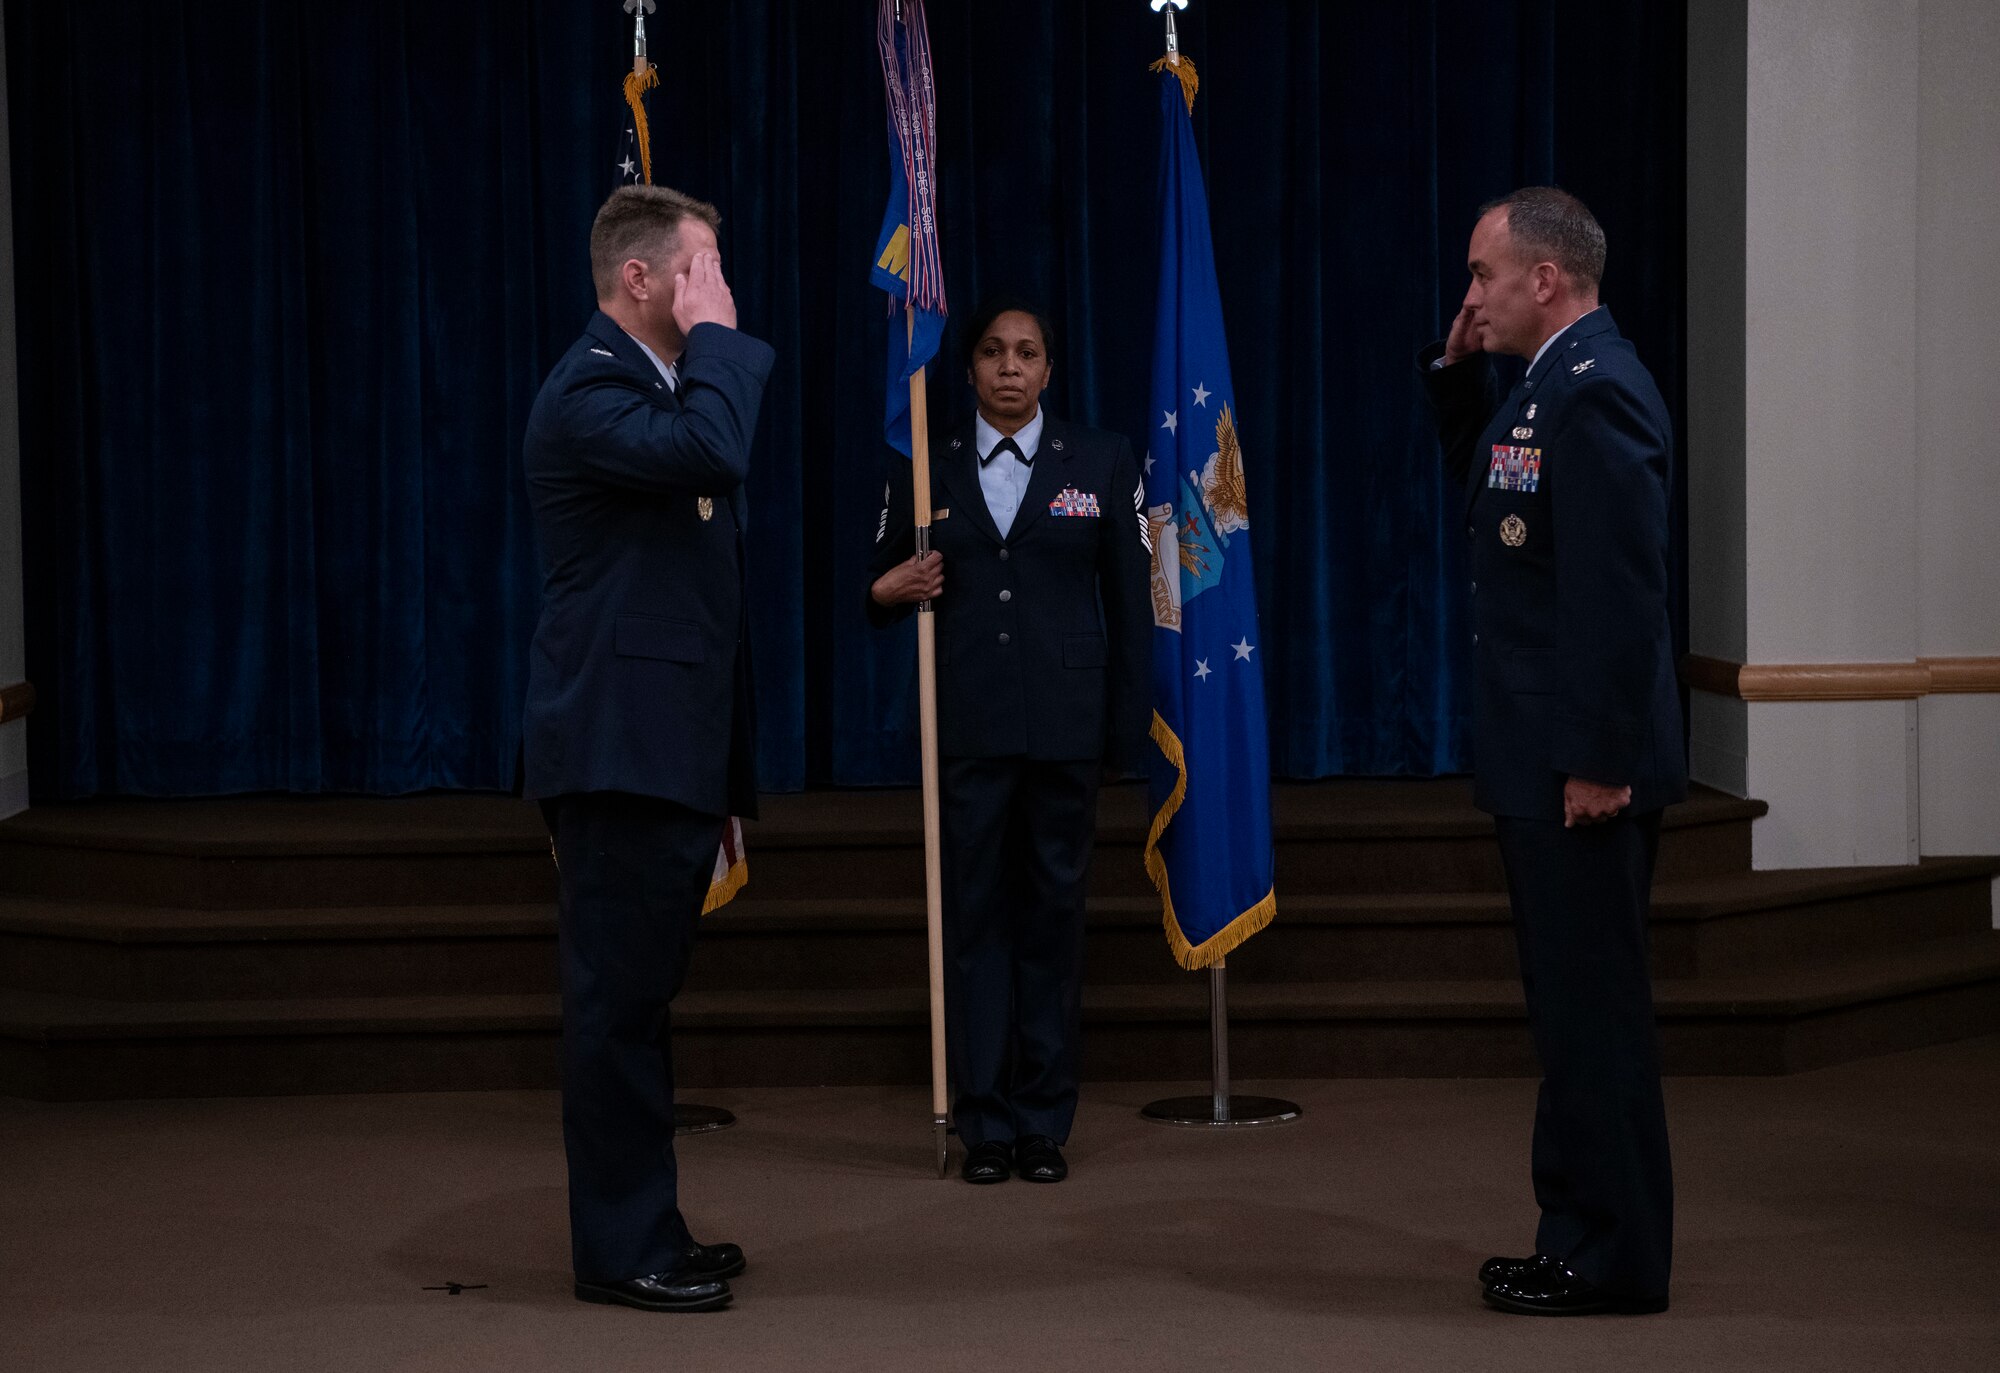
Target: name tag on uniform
(1514, 468)
(1070, 501)
(937, 515)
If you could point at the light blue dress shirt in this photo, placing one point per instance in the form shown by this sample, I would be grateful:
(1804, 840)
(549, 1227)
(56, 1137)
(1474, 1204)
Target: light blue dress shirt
(1004, 480)
(669, 371)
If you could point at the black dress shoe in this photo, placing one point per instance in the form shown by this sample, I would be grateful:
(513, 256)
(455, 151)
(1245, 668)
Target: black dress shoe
(714, 1260)
(1501, 1269)
(988, 1162)
(1552, 1290)
(685, 1290)
(1037, 1159)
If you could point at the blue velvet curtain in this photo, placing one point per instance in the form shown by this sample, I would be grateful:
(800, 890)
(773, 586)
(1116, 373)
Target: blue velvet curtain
(289, 276)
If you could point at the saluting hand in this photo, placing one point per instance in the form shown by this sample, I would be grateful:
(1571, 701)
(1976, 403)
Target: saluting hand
(910, 581)
(701, 296)
(1587, 803)
(1465, 339)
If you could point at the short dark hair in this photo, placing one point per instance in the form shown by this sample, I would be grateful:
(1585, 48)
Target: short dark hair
(991, 309)
(641, 222)
(1551, 225)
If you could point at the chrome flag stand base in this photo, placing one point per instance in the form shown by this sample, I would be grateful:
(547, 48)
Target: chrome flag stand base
(1224, 1112)
(690, 1119)
(1220, 1110)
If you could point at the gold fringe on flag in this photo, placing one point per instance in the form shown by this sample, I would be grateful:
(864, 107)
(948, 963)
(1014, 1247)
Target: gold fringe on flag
(636, 86)
(1184, 69)
(722, 891)
(732, 868)
(1217, 946)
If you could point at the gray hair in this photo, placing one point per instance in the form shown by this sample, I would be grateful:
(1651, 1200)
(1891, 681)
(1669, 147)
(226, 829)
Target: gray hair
(1551, 225)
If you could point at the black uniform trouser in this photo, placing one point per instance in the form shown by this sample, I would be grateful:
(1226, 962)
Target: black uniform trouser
(1017, 838)
(1601, 1167)
(635, 871)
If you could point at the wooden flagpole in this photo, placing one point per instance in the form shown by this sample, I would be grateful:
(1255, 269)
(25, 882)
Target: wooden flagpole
(920, 484)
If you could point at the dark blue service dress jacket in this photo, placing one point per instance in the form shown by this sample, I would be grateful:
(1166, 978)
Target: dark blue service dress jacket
(1045, 635)
(1567, 482)
(639, 675)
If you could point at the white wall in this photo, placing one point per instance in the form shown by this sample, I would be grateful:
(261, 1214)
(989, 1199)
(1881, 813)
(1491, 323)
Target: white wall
(1844, 409)
(1841, 780)
(1830, 275)
(1960, 751)
(1958, 411)
(1830, 416)
(13, 664)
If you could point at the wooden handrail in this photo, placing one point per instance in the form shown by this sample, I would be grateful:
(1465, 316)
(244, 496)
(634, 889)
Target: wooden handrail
(1840, 681)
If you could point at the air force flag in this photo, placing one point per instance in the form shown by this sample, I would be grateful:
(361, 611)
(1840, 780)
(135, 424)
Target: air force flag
(1209, 847)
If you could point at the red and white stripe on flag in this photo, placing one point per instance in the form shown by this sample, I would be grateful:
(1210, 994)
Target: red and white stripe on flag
(732, 868)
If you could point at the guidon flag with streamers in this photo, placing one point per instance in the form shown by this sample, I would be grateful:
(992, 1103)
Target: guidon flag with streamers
(1208, 849)
(907, 263)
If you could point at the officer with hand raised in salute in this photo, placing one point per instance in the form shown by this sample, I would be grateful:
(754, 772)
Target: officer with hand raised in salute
(1565, 486)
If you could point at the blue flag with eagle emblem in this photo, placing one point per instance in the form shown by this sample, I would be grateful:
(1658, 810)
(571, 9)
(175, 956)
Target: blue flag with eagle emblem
(1209, 847)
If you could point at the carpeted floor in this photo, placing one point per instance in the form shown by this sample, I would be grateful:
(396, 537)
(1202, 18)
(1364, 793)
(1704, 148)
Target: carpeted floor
(1845, 1219)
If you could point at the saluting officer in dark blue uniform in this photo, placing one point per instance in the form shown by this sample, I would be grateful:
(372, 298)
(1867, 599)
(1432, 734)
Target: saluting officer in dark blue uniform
(1576, 728)
(638, 728)
(1044, 635)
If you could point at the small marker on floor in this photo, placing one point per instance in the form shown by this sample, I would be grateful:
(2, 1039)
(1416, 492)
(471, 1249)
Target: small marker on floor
(454, 1288)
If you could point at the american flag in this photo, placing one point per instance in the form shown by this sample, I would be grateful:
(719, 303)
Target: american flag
(732, 862)
(732, 868)
(629, 171)
(635, 145)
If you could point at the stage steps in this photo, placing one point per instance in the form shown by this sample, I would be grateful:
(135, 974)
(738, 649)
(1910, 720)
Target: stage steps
(278, 946)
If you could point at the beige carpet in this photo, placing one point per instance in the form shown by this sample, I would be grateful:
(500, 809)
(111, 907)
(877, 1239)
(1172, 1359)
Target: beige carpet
(1846, 1219)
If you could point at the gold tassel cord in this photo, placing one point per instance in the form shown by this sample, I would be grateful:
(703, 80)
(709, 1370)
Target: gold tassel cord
(636, 86)
(1184, 69)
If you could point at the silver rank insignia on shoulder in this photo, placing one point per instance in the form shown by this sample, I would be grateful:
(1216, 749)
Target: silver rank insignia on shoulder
(1513, 531)
(1523, 432)
(1583, 366)
(604, 352)
(1531, 412)
(704, 506)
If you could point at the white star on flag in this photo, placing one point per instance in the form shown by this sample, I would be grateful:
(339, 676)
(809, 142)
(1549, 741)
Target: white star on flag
(1243, 648)
(1202, 669)
(628, 165)
(1171, 423)
(1200, 394)
(1149, 464)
